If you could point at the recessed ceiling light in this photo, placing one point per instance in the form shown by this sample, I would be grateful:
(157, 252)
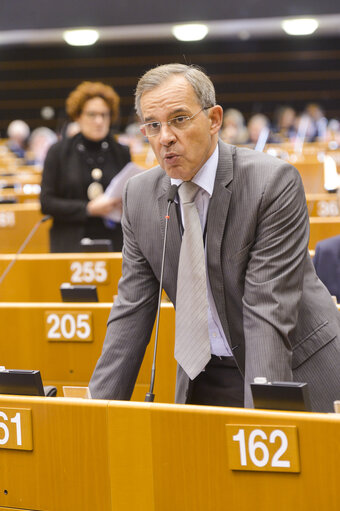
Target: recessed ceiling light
(81, 37)
(190, 32)
(300, 26)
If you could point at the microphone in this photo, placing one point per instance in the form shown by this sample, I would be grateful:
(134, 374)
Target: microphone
(27, 239)
(149, 397)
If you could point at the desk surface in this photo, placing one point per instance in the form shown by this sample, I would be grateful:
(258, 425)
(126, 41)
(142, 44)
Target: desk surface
(135, 456)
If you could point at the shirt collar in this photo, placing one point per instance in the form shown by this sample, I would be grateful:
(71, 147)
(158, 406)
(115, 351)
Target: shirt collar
(205, 177)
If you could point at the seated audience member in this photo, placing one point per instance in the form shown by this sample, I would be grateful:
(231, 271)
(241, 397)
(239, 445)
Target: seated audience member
(333, 133)
(259, 127)
(284, 127)
(234, 130)
(39, 143)
(77, 171)
(327, 264)
(318, 122)
(18, 132)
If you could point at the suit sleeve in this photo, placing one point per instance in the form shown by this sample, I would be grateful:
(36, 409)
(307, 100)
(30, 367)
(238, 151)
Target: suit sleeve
(130, 322)
(274, 278)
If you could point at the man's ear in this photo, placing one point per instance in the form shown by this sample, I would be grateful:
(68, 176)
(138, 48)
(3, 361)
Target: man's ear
(216, 118)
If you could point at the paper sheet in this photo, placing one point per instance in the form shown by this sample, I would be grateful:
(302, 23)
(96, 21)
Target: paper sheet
(116, 186)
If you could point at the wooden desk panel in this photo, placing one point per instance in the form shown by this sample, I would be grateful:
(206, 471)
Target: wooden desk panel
(322, 228)
(312, 176)
(37, 278)
(68, 467)
(24, 345)
(119, 456)
(16, 221)
(323, 204)
(190, 465)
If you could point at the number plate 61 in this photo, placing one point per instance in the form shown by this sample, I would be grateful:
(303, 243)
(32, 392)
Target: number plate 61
(263, 448)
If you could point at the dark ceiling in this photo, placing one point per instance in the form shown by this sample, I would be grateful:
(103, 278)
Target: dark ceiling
(36, 14)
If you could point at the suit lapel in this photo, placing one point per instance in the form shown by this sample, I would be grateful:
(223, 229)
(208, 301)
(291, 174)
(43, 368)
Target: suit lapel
(216, 224)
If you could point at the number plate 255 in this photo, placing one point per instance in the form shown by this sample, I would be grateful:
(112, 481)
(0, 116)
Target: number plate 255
(263, 448)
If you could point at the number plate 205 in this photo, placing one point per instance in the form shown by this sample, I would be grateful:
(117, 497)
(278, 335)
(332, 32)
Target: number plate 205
(68, 326)
(263, 448)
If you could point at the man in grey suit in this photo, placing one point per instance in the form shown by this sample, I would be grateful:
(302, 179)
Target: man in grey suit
(269, 315)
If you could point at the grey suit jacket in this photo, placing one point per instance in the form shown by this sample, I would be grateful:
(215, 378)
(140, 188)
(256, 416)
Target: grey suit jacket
(278, 318)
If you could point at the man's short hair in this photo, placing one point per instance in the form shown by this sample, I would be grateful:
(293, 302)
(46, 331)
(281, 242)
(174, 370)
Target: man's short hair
(200, 82)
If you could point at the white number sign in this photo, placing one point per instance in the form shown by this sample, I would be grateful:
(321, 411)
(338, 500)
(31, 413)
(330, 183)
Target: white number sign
(266, 448)
(16, 429)
(68, 326)
(7, 219)
(89, 272)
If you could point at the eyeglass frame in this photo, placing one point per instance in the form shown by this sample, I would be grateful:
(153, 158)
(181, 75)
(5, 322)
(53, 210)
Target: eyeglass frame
(170, 121)
(105, 116)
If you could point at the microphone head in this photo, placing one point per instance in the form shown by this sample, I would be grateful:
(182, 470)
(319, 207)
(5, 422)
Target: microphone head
(172, 193)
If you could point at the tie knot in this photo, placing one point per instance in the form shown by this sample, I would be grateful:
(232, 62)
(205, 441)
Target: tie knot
(187, 191)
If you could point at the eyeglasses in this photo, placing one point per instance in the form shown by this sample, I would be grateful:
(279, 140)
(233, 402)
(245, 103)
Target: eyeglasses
(92, 115)
(177, 123)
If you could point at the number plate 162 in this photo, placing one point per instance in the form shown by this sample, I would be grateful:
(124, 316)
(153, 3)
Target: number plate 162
(263, 448)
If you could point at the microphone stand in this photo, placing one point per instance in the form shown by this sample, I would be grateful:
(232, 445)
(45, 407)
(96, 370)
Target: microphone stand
(150, 396)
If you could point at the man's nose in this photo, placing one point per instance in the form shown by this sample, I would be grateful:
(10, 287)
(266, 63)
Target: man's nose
(167, 135)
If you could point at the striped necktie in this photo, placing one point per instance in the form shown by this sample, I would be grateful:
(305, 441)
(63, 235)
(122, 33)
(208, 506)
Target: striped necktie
(192, 345)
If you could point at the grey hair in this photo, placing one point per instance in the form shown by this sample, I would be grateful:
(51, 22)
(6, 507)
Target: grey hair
(200, 82)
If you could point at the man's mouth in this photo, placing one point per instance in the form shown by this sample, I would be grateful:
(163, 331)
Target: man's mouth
(171, 157)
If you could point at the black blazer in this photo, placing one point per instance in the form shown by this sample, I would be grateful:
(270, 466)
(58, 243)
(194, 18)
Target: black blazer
(66, 177)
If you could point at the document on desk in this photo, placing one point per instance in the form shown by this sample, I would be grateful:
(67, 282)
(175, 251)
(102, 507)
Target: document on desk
(116, 186)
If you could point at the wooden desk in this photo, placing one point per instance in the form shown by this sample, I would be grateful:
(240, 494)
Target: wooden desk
(37, 277)
(322, 228)
(21, 178)
(21, 195)
(16, 221)
(312, 176)
(120, 456)
(322, 204)
(64, 342)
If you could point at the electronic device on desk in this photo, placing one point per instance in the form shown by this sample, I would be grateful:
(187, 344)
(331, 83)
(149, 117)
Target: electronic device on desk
(280, 395)
(8, 200)
(24, 382)
(78, 293)
(88, 245)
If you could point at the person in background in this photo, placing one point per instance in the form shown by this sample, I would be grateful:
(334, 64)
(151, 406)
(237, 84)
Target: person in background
(284, 127)
(327, 264)
(257, 126)
(18, 132)
(318, 122)
(39, 143)
(77, 171)
(234, 130)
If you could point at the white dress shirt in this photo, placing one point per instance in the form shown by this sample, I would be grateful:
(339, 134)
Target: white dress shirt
(205, 179)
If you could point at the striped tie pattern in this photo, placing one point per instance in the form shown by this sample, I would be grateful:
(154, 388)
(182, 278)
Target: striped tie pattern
(192, 345)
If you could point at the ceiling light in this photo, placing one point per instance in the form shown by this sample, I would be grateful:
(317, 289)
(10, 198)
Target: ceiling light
(190, 32)
(302, 26)
(81, 37)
